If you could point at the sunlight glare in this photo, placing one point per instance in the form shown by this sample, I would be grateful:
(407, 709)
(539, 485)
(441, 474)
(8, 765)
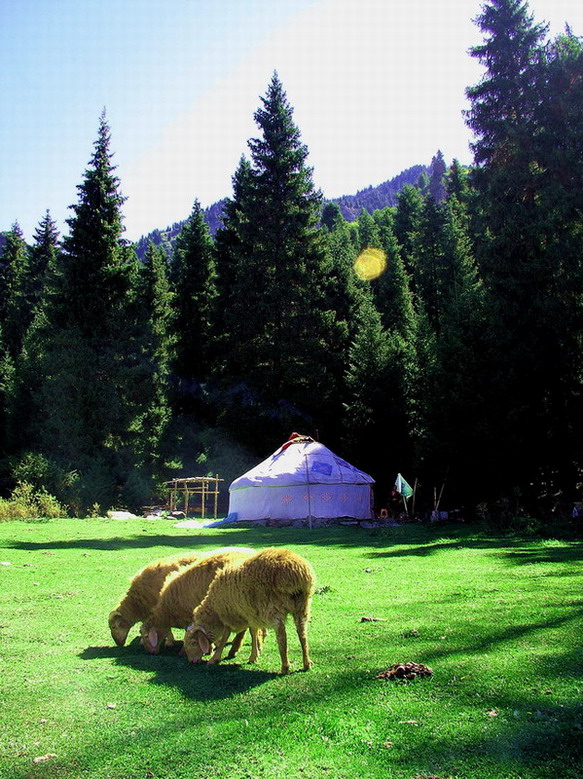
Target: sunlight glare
(370, 264)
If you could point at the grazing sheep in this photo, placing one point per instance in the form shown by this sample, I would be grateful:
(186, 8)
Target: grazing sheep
(143, 593)
(182, 592)
(255, 593)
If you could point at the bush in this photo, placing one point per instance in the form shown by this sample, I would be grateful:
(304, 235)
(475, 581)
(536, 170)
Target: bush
(26, 502)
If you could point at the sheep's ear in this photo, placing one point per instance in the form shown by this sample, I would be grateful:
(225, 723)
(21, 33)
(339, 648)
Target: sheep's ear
(203, 641)
(153, 638)
(114, 617)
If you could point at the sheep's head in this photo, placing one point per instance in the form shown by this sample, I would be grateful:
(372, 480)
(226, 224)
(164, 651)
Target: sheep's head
(196, 643)
(119, 627)
(152, 638)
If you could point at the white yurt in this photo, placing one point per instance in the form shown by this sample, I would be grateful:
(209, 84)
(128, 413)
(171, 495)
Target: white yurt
(303, 479)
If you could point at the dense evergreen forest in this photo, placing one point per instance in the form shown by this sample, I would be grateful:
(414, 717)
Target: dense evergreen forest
(457, 362)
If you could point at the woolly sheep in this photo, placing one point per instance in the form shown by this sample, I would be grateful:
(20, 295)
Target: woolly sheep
(143, 593)
(182, 592)
(255, 593)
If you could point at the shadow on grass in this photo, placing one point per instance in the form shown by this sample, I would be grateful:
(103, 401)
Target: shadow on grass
(334, 536)
(531, 733)
(390, 543)
(506, 634)
(515, 550)
(240, 537)
(200, 682)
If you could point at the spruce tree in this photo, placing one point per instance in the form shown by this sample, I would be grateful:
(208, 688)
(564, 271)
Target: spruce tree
(523, 253)
(393, 293)
(558, 140)
(43, 257)
(437, 171)
(429, 276)
(457, 182)
(15, 304)
(460, 375)
(502, 101)
(194, 283)
(154, 303)
(410, 204)
(367, 396)
(331, 216)
(281, 359)
(368, 231)
(6, 390)
(379, 415)
(86, 346)
(21, 378)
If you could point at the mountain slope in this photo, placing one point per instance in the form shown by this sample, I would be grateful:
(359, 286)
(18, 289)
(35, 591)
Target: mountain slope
(371, 198)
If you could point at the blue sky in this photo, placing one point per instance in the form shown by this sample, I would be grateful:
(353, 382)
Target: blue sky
(376, 86)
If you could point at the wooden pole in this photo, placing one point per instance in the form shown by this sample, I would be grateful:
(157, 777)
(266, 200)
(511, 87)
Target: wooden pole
(414, 493)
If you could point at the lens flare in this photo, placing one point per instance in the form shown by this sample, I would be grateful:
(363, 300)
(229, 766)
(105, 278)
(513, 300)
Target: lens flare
(370, 264)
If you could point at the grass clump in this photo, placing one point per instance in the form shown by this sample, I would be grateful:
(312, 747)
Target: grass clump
(498, 621)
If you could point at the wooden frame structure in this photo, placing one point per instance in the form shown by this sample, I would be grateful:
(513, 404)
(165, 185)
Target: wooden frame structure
(202, 488)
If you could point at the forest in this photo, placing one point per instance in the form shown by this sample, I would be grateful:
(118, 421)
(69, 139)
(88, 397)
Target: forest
(439, 337)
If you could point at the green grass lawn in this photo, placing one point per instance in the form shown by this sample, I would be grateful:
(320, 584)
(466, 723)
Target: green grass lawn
(497, 619)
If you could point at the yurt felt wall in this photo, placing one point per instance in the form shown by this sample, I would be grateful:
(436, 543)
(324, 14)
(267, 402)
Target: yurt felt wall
(302, 479)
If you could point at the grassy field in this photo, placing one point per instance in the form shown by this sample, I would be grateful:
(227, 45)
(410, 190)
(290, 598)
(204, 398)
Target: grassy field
(497, 619)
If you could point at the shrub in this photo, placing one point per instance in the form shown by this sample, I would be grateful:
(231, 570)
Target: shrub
(26, 502)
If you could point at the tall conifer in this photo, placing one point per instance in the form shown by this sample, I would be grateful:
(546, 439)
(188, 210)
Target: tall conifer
(194, 282)
(522, 254)
(86, 345)
(43, 256)
(283, 354)
(154, 303)
(15, 305)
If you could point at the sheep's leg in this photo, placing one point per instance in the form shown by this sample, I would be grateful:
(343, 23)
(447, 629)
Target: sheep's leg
(219, 647)
(282, 644)
(256, 642)
(236, 645)
(169, 640)
(301, 627)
